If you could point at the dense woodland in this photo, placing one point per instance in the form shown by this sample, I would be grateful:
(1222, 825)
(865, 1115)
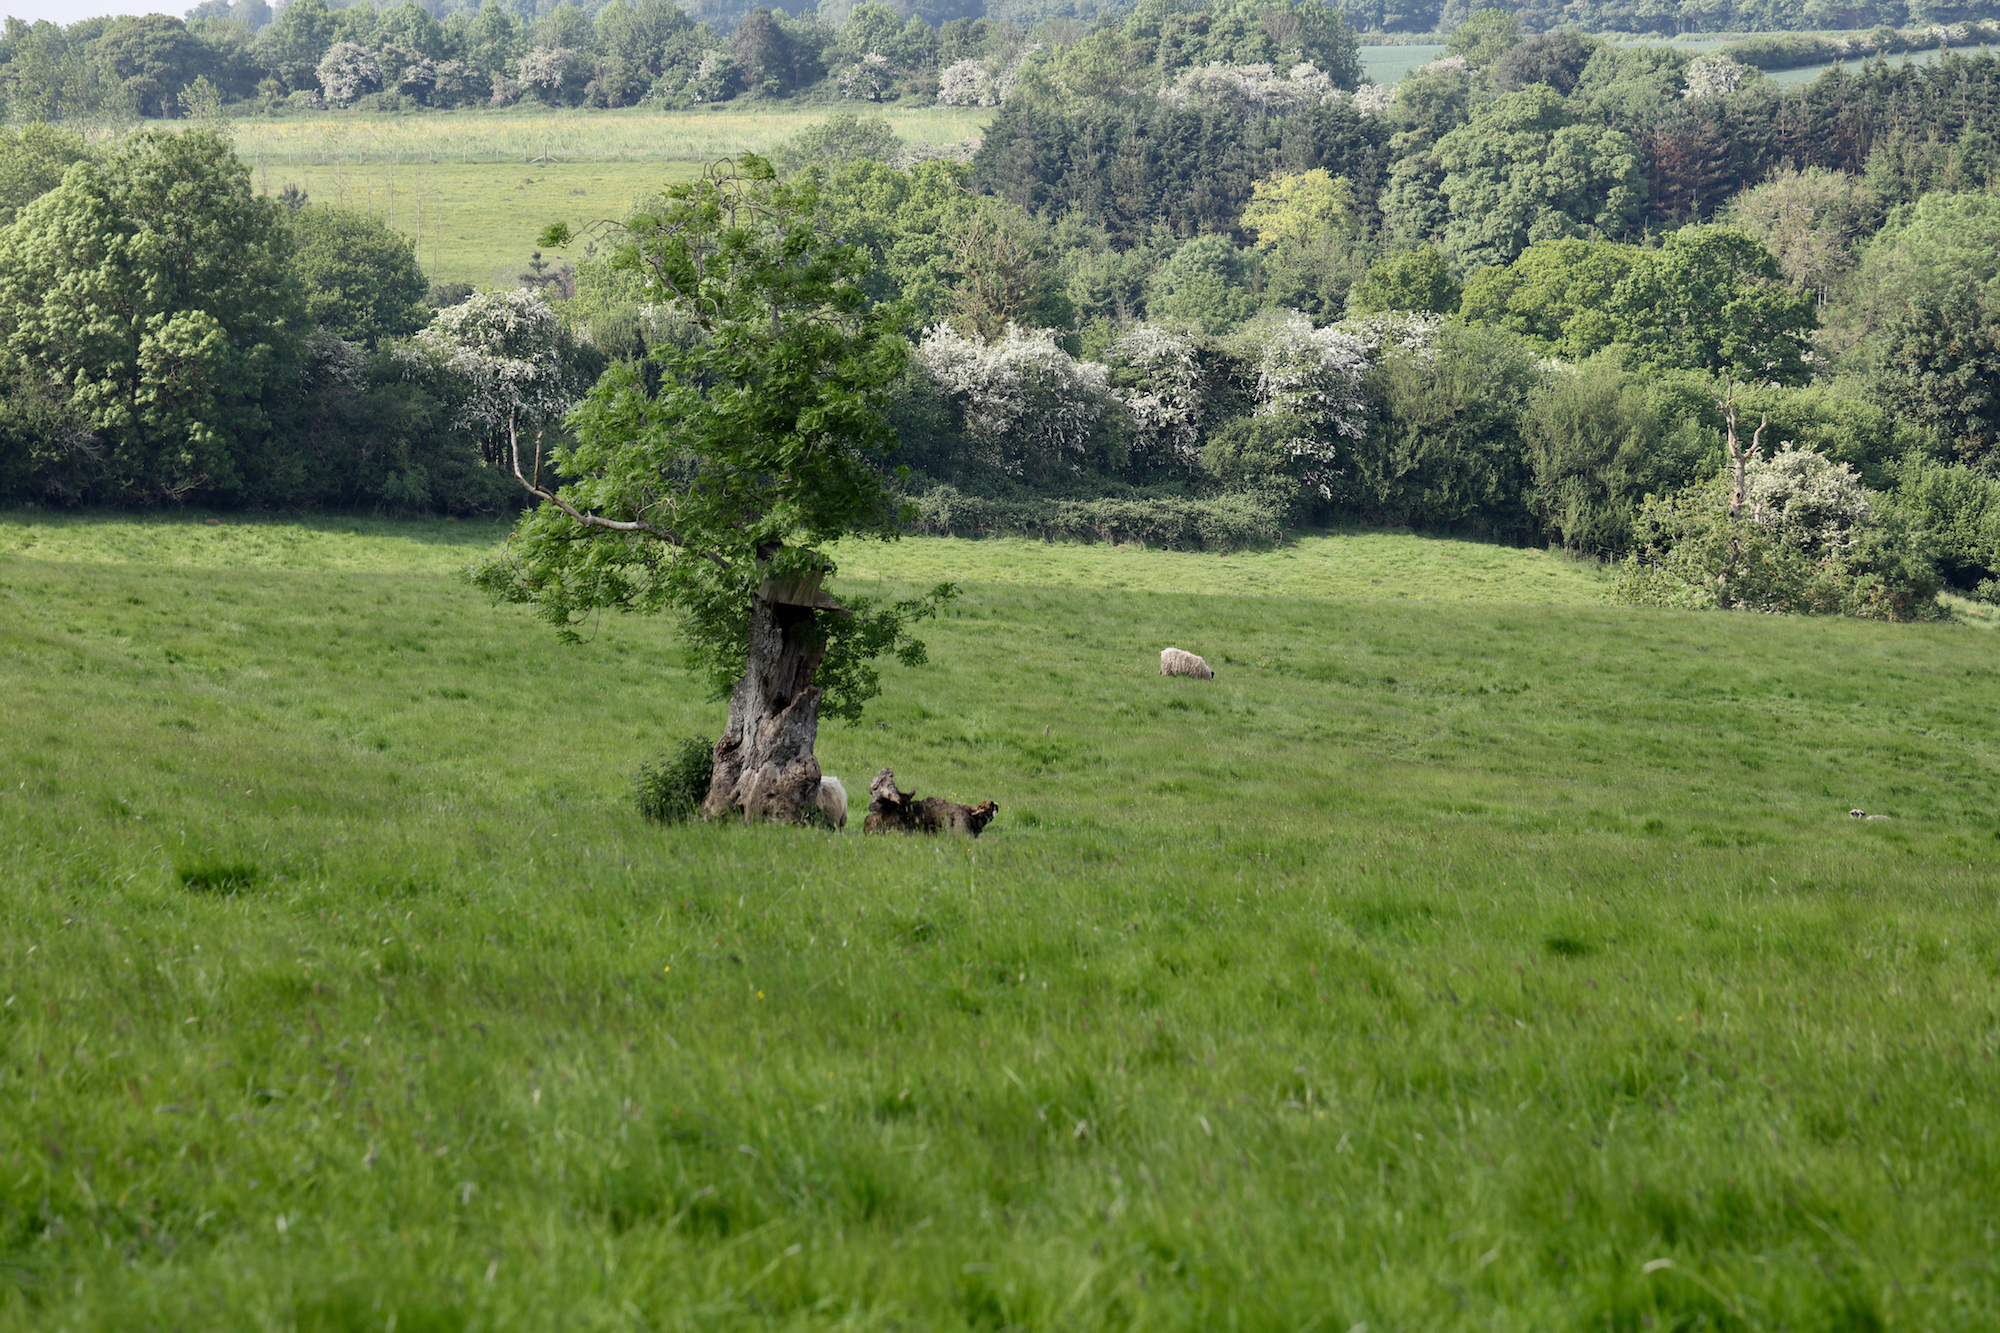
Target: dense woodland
(307, 54)
(1197, 286)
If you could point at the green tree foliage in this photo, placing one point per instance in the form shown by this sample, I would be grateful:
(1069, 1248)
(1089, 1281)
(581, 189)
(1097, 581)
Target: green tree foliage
(1306, 225)
(1940, 243)
(410, 26)
(769, 60)
(1007, 271)
(636, 43)
(32, 162)
(152, 287)
(1485, 37)
(1129, 165)
(1172, 35)
(1523, 169)
(1558, 295)
(1597, 444)
(1843, 419)
(1205, 285)
(361, 277)
(1300, 209)
(755, 453)
(1444, 449)
(1414, 280)
(489, 42)
(48, 73)
(152, 57)
(1557, 59)
(291, 48)
(841, 138)
(1958, 509)
(1711, 298)
(908, 221)
(1942, 371)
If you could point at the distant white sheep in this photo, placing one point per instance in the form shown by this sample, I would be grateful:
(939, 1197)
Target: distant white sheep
(1174, 662)
(832, 802)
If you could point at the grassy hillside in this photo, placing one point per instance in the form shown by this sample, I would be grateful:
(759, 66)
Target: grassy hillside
(1466, 955)
(479, 221)
(485, 183)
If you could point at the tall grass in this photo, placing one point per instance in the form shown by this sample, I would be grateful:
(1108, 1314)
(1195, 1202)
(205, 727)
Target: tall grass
(1449, 962)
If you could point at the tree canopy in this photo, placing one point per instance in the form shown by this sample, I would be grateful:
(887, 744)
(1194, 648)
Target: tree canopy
(362, 280)
(154, 287)
(1524, 169)
(759, 449)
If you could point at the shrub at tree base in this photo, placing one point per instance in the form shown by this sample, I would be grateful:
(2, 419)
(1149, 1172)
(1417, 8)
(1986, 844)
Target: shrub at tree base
(671, 788)
(1223, 523)
(1810, 540)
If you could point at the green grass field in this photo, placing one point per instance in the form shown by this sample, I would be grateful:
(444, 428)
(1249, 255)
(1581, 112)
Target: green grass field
(483, 184)
(1386, 64)
(1471, 953)
(479, 221)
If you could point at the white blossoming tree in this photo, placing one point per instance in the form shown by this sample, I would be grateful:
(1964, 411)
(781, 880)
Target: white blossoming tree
(1253, 90)
(967, 83)
(1030, 408)
(515, 362)
(348, 72)
(1314, 377)
(548, 69)
(1158, 380)
(1714, 75)
(1807, 540)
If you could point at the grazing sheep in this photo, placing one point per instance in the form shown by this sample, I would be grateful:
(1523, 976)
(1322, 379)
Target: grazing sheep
(832, 802)
(1174, 662)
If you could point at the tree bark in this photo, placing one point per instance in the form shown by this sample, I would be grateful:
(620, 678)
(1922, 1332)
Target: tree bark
(764, 763)
(1739, 459)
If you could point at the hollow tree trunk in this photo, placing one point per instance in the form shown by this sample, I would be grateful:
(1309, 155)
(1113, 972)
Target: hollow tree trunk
(764, 763)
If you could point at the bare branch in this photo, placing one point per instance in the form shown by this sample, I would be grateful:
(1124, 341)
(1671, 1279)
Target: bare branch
(588, 520)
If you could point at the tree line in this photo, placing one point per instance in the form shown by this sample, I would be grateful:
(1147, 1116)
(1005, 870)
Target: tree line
(307, 55)
(1639, 304)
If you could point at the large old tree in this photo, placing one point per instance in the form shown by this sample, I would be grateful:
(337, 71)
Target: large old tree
(715, 497)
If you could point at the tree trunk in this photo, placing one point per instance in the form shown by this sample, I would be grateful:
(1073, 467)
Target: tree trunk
(764, 763)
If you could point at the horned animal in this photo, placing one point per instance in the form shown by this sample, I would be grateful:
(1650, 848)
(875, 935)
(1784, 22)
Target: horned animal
(1175, 662)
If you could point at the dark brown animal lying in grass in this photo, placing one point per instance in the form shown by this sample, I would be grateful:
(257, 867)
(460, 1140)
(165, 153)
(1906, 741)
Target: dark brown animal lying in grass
(892, 811)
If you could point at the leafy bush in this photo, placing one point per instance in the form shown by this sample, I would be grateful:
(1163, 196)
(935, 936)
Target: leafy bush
(672, 787)
(1593, 439)
(1229, 522)
(841, 138)
(1810, 540)
(1959, 508)
(1444, 449)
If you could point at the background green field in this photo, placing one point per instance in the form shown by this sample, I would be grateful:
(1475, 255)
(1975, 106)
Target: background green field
(1386, 64)
(1470, 954)
(484, 184)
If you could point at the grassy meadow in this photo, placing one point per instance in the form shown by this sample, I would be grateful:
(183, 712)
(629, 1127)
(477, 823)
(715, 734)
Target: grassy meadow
(483, 184)
(1471, 953)
(1387, 64)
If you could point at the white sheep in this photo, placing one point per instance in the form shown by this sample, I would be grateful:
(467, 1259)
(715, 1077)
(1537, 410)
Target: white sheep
(1174, 662)
(832, 802)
